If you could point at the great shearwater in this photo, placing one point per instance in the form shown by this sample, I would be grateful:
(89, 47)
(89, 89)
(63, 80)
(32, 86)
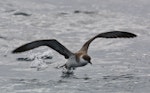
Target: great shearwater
(78, 59)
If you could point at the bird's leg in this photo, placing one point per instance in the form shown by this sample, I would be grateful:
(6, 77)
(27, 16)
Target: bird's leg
(73, 68)
(63, 66)
(68, 70)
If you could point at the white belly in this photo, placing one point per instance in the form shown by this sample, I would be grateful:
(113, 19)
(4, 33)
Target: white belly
(72, 62)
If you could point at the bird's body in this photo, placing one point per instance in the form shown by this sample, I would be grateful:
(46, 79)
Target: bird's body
(73, 63)
(78, 59)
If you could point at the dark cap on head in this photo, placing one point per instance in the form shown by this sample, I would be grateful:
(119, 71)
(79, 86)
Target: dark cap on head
(88, 58)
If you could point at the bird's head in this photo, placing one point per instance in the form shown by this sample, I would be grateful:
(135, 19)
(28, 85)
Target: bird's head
(87, 58)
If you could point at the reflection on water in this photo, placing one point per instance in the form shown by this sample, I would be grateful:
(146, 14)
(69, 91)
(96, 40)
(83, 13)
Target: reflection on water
(120, 77)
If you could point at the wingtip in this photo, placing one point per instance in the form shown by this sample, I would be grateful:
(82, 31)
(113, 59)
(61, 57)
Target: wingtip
(117, 34)
(14, 52)
(131, 35)
(134, 35)
(18, 50)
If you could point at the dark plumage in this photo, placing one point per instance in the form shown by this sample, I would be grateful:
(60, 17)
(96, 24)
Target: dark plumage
(52, 43)
(78, 59)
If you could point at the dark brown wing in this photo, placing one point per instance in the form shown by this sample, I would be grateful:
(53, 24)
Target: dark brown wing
(52, 43)
(116, 34)
(112, 34)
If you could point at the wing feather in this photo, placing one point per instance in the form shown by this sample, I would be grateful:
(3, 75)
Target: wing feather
(111, 34)
(52, 43)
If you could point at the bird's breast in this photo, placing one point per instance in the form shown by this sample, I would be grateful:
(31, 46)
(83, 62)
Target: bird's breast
(72, 62)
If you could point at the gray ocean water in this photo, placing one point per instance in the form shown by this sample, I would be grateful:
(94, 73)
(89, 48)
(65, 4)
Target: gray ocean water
(119, 65)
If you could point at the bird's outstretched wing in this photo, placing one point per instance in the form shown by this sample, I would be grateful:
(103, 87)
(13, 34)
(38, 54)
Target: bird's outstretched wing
(52, 43)
(111, 34)
(116, 34)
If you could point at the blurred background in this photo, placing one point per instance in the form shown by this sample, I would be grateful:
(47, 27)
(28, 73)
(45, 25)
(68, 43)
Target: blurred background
(119, 65)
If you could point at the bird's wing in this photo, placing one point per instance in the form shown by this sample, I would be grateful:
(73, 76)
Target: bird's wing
(116, 34)
(111, 34)
(52, 43)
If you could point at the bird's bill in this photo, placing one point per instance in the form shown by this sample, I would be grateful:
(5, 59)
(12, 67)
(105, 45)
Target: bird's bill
(90, 62)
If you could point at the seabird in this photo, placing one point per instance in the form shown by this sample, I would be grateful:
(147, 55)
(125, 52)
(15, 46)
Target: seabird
(74, 60)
